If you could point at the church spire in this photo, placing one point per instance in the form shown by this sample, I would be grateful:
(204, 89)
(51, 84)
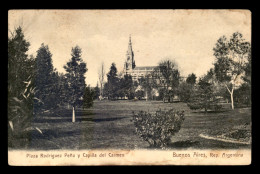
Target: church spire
(130, 63)
(130, 51)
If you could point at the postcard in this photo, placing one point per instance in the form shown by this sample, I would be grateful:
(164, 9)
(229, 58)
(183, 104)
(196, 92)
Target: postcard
(129, 87)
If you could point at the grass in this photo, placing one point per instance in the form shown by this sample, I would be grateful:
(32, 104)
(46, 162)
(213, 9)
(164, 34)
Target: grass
(108, 126)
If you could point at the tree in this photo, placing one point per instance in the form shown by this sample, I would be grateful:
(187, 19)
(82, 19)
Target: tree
(21, 90)
(185, 91)
(231, 56)
(101, 79)
(246, 87)
(88, 97)
(75, 71)
(139, 94)
(126, 87)
(45, 80)
(242, 95)
(97, 92)
(166, 75)
(19, 67)
(146, 84)
(186, 88)
(247, 68)
(203, 97)
(112, 82)
(106, 90)
(63, 89)
(191, 79)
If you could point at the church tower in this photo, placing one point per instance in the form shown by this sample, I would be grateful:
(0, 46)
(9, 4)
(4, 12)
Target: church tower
(130, 62)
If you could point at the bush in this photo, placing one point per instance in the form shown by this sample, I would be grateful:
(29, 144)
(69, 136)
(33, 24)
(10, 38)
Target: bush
(194, 106)
(20, 117)
(200, 105)
(158, 128)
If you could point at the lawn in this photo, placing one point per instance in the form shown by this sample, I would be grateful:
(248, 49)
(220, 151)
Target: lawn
(108, 126)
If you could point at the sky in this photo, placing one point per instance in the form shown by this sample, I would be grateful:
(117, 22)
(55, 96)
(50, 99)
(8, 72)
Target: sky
(185, 36)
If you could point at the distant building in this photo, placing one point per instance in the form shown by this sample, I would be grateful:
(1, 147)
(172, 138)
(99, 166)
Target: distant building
(137, 72)
(130, 67)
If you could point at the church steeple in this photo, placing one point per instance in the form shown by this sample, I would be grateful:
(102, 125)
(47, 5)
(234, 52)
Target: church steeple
(130, 50)
(130, 63)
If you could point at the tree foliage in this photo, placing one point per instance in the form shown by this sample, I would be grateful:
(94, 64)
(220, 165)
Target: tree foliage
(147, 84)
(126, 87)
(186, 88)
(204, 96)
(185, 91)
(75, 71)
(166, 76)
(19, 66)
(112, 82)
(97, 92)
(88, 97)
(46, 80)
(191, 79)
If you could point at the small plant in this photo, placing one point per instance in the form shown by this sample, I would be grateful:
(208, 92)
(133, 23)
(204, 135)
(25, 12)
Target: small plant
(158, 128)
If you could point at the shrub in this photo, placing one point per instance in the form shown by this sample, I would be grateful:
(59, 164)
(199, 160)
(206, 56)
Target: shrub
(194, 106)
(158, 128)
(20, 117)
(212, 105)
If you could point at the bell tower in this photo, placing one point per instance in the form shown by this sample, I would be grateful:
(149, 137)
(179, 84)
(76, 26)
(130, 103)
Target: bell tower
(130, 62)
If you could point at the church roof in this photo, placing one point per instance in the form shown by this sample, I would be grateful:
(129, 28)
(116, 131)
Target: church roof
(145, 67)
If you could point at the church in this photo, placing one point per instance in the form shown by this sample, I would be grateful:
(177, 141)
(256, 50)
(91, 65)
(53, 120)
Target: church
(130, 67)
(137, 72)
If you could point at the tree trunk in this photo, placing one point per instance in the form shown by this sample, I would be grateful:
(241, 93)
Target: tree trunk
(73, 114)
(232, 99)
(231, 96)
(146, 95)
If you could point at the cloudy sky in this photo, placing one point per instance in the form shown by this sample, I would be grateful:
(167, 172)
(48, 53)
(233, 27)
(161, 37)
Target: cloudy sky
(186, 36)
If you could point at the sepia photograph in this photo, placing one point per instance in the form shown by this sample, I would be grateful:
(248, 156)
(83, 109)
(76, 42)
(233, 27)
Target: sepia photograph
(129, 87)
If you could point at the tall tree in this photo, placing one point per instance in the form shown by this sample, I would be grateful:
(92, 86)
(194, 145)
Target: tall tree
(75, 71)
(101, 76)
(19, 66)
(45, 79)
(21, 89)
(231, 57)
(112, 82)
